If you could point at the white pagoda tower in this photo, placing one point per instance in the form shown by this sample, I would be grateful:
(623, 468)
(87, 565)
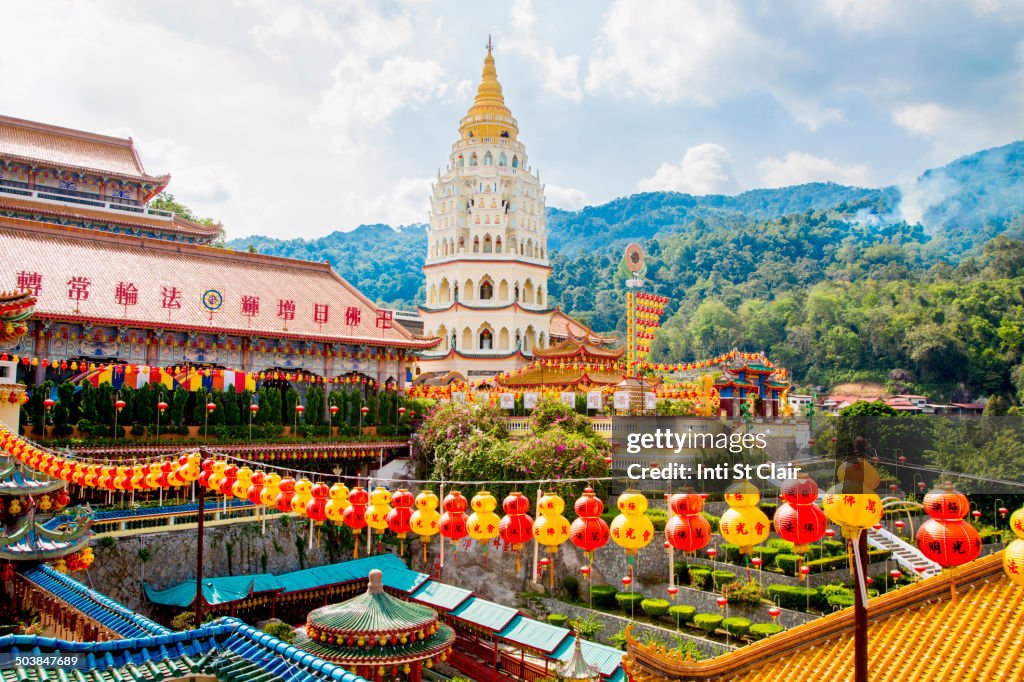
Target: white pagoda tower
(487, 262)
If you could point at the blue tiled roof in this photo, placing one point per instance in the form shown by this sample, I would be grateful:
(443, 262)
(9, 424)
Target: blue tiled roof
(607, 659)
(485, 613)
(534, 634)
(441, 595)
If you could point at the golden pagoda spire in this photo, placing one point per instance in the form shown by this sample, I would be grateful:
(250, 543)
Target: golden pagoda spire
(489, 102)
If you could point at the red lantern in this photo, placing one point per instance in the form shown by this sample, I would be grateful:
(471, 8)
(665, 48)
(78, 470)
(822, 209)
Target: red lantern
(756, 562)
(286, 491)
(354, 515)
(712, 553)
(210, 407)
(585, 571)
(722, 602)
(255, 487)
(627, 581)
(401, 411)
(687, 530)
(799, 520)
(7, 574)
(774, 612)
(946, 538)
(162, 406)
(334, 410)
(896, 574)
(672, 591)
(830, 533)
(900, 526)
(453, 521)
(119, 404)
(976, 514)
(364, 409)
(254, 408)
(804, 572)
(920, 569)
(48, 403)
(589, 531)
(300, 409)
(317, 506)
(516, 527)
(227, 485)
(401, 513)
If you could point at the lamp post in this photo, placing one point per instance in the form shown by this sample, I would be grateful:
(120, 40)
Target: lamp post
(333, 411)
(363, 411)
(210, 407)
(118, 405)
(998, 507)
(161, 407)
(253, 409)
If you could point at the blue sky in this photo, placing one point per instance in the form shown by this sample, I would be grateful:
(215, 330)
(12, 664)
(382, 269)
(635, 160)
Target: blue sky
(299, 118)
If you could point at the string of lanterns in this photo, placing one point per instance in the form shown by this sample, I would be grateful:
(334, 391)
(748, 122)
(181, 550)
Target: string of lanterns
(946, 538)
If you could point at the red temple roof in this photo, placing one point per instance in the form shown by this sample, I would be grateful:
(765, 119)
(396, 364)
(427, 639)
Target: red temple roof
(76, 275)
(143, 222)
(73, 149)
(563, 326)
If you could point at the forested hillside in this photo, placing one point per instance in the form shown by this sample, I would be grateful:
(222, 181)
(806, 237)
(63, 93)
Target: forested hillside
(829, 280)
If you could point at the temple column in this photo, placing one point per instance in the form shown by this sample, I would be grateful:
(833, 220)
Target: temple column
(42, 352)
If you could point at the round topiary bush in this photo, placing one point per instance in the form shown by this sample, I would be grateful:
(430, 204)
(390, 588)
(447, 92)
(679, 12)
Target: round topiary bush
(629, 601)
(683, 613)
(700, 578)
(708, 622)
(721, 578)
(603, 595)
(762, 630)
(737, 625)
(655, 607)
(558, 619)
(791, 597)
(841, 600)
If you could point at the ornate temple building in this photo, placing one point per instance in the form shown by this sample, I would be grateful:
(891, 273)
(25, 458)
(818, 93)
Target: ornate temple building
(487, 258)
(116, 281)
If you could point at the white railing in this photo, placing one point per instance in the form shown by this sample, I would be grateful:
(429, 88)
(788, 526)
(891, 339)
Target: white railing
(50, 196)
(905, 554)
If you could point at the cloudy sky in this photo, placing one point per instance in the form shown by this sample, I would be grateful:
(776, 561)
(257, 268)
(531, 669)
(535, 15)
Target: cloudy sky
(299, 118)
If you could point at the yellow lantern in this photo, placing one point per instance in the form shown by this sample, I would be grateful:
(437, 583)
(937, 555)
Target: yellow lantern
(380, 506)
(120, 477)
(215, 479)
(852, 504)
(337, 503)
(140, 477)
(631, 529)
(243, 479)
(1013, 555)
(189, 471)
(482, 524)
(60, 566)
(743, 524)
(551, 528)
(271, 489)
(303, 494)
(44, 503)
(424, 521)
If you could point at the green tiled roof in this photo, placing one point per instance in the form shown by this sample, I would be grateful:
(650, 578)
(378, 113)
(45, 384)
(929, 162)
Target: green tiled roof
(372, 613)
(606, 658)
(485, 613)
(534, 634)
(441, 595)
(392, 654)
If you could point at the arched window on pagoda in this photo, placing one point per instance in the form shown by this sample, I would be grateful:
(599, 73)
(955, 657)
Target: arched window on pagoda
(488, 159)
(519, 339)
(515, 162)
(516, 292)
(486, 290)
(540, 295)
(472, 159)
(486, 340)
(462, 161)
(497, 244)
(502, 159)
(488, 245)
(503, 339)
(476, 243)
(462, 244)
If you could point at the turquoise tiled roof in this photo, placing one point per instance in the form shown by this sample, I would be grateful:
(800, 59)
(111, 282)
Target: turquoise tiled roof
(441, 595)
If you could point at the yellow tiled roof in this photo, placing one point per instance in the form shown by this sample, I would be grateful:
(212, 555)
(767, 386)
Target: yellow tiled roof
(915, 633)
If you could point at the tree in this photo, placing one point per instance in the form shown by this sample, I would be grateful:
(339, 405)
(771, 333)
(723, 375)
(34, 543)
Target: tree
(165, 201)
(863, 408)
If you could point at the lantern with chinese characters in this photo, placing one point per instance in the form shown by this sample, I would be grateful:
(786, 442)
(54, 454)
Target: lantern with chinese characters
(946, 538)
(589, 531)
(338, 503)
(212, 483)
(243, 479)
(271, 489)
(227, 483)
(743, 524)
(303, 494)
(453, 520)
(377, 515)
(286, 491)
(798, 519)
(424, 520)
(482, 524)
(852, 503)
(316, 508)
(1013, 555)
(400, 515)
(355, 514)
(632, 529)
(551, 529)
(516, 526)
(188, 468)
(255, 488)
(687, 530)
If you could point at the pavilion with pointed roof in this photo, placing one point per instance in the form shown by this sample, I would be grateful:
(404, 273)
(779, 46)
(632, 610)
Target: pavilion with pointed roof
(377, 635)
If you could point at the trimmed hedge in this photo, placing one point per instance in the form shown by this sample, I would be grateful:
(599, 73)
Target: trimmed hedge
(708, 622)
(682, 570)
(790, 597)
(682, 613)
(603, 595)
(713, 520)
(841, 600)
(834, 547)
(737, 625)
(629, 600)
(700, 577)
(762, 630)
(558, 619)
(785, 546)
(768, 555)
(788, 562)
(838, 562)
(655, 607)
(721, 578)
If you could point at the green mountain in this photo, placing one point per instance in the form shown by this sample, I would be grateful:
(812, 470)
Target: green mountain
(837, 283)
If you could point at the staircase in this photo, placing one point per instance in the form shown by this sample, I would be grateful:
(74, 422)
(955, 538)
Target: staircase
(905, 554)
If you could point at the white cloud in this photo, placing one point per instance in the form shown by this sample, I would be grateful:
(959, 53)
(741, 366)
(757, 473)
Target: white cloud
(797, 168)
(927, 120)
(705, 169)
(405, 203)
(362, 98)
(858, 15)
(566, 198)
(560, 75)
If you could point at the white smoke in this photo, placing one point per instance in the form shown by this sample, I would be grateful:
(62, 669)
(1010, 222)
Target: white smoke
(916, 198)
